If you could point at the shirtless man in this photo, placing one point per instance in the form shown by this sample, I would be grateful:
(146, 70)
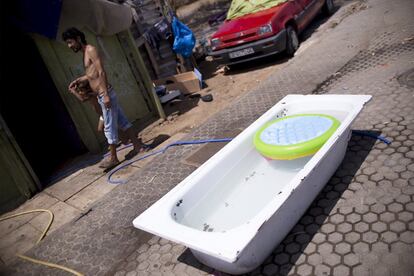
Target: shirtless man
(96, 77)
(84, 93)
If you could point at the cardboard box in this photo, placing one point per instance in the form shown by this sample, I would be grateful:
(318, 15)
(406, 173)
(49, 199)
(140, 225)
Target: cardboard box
(187, 82)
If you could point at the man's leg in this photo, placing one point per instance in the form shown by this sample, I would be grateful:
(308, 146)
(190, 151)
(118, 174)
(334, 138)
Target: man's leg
(110, 117)
(125, 125)
(112, 150)
(134, 139)
(112, 161)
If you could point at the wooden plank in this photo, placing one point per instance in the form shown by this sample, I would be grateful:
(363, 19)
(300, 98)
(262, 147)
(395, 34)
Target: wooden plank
(152, 59)
(140, 41)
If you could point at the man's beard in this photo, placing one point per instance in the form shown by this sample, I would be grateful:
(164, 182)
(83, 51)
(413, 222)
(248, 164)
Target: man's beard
(76, 49)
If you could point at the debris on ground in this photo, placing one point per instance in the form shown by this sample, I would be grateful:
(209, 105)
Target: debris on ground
(407, 39)
(207, 98)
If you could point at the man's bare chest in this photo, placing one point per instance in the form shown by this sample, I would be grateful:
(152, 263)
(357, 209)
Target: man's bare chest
(90, 69)
(87, 62)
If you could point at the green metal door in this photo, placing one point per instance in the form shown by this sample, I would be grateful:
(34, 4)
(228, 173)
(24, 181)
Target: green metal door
(17, 181)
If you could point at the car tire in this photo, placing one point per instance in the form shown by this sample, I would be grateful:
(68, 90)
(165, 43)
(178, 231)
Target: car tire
(328, 7)
(292, 41)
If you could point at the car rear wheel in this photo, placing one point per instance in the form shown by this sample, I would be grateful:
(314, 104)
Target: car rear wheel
(328, 7)
(292, 42)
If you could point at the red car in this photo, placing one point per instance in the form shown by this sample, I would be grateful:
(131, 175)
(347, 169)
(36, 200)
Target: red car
(265, 32)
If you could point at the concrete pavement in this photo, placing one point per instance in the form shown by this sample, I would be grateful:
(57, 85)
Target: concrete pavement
(70, 198)
(361, 223)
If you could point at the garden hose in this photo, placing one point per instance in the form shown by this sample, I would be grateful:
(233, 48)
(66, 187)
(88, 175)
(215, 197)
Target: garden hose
(51, 216)
(49, 264)
(164, 149)
(204, 141)
(34, 211)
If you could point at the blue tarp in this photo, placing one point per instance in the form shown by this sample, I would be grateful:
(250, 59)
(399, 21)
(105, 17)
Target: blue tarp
(184, 39)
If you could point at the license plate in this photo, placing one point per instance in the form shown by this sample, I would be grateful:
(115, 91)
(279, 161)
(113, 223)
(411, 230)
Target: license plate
(241, 53)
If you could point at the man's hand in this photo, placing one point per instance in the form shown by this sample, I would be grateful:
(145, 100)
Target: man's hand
(76, 82)
(73, 85)
(72, 89)
(79, 95)
(107, 101)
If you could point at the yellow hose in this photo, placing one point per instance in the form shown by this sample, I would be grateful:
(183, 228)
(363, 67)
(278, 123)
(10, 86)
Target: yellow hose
(51, 216)
(34, 211)
(50, 264)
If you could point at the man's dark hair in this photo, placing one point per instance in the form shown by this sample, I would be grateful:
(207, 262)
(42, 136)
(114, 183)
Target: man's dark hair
(73, 33)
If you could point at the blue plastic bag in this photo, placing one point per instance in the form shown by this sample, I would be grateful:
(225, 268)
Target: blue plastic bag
(184, 39)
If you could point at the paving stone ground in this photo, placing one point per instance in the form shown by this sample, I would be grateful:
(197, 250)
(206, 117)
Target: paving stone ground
(362, 221)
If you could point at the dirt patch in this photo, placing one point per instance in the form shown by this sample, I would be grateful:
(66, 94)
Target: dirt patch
(189, 112)
(186, 113)
(351, 9)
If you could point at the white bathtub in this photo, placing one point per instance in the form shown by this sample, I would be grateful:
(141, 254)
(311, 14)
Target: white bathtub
(237, 207)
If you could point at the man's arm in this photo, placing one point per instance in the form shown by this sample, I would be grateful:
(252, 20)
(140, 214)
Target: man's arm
(80, 97)
(74, 83)
(93, 55)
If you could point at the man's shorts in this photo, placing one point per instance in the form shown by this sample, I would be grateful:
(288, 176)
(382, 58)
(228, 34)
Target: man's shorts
(113, 117)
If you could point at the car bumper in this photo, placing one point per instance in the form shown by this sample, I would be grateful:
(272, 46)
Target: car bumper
(261, 48)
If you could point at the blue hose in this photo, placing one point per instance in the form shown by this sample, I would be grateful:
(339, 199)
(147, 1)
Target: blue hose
(179, 143)
(369, 134)
(194, 142)
(96, 159)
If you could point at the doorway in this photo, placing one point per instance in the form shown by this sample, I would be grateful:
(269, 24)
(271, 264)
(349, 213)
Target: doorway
(32, 107)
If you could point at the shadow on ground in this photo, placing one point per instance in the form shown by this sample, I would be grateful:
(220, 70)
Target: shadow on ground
(157, 141)
(181, 105)
(209, 68)
(285, 255)
(88, 160)
(258, 64)
(319, 20)
(73, 166)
